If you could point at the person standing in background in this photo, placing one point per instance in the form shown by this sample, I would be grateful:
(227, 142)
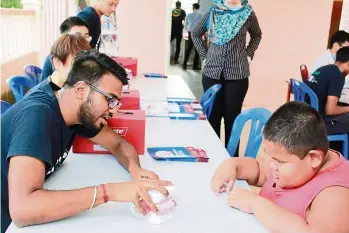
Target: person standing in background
(92, 15)
(227, 58)
(192, 20)
(178, 16)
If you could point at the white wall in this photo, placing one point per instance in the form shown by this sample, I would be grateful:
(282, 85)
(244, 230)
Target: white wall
(144, 32)
(294, 33)
(205, 5)
(344, 23)
(52, 14)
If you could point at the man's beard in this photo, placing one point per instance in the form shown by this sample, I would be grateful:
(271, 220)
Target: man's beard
(86, 117)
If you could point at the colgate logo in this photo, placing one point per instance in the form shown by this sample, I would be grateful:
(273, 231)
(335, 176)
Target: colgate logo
(122, 131)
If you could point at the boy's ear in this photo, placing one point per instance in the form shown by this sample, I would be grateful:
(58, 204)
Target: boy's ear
(316, 157)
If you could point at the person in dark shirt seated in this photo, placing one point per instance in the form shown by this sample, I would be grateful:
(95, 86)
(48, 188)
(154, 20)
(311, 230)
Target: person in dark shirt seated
(63, 52)
(70, 25)
(37, 133)
(327, 82)
(92, 15)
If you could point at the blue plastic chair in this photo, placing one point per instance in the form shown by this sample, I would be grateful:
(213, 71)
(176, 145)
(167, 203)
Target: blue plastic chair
(343, 138)
(19, 85)
(258, 117)
(33, 72)
(300, 90)
(4, 106)
(208, 98)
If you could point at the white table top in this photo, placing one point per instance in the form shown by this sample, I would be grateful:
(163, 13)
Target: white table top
(198, 208)
(161, 88)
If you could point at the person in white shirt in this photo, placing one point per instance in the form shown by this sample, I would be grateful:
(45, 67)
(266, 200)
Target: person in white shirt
(338, 40)
(191, 21)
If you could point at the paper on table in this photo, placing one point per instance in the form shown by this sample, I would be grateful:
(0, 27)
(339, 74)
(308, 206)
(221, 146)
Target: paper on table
(180, 100)
(197, 106)
(164, 109)
(159, 108)
(173, 107)
(183, 154)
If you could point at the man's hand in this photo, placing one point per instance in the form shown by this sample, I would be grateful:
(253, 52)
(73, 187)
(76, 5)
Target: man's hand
(224, 177)
(243, 199)
(138, 173)
(137, 191)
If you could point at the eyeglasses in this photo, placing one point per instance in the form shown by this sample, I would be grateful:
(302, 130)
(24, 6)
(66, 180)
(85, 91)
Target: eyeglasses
(113, 100)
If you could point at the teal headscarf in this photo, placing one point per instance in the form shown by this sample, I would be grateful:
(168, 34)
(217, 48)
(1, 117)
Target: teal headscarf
(225, 22)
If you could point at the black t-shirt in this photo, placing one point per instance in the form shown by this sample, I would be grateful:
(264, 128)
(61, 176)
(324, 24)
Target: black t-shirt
(178, 15)
(78, 129)
(326, 81)
(47, 68)
(94, 24)
(35, 127)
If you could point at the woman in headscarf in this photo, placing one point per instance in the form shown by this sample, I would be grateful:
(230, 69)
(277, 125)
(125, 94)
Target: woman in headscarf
(227, 58)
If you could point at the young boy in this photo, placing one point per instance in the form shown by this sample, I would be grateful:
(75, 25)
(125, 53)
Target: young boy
(305, 186)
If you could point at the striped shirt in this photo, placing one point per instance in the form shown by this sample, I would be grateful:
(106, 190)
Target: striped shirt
(230, 58)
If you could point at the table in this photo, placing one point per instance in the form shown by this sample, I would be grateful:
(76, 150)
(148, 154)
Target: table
(198, 208)
(161, 88)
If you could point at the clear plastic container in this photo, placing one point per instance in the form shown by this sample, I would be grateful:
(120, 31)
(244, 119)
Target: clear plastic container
(165, 205)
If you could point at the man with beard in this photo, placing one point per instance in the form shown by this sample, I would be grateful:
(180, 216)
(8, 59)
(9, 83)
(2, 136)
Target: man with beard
(37, 133)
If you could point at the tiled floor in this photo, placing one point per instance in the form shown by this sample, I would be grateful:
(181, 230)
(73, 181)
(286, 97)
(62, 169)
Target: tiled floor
(191, 77)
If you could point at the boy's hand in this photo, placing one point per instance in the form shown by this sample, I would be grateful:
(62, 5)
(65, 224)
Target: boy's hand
(242, 199)
(224, 177)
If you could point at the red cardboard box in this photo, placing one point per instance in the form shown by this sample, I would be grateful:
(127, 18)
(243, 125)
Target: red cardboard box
(129, 63)
(130, 100)
(130, 125)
